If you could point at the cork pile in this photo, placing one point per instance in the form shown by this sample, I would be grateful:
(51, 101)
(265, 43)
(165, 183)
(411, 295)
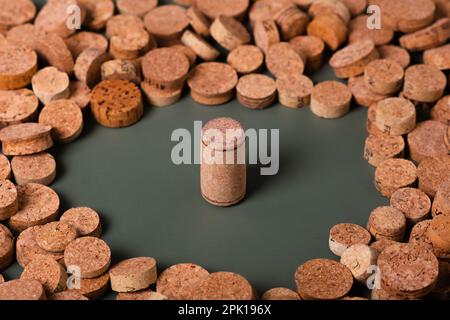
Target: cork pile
(130, 53)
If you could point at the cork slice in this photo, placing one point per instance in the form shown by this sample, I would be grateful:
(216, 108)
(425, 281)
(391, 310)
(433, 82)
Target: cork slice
(116, 103)
(16, 12)
(266, 34)
(431, 37)
(38, 205)
(359, 259)
(419, 237)
(25, 138)
(118, 69)
(363, 95)
(441, 111)
(161, 97)
(84, 40)
(27, 247)
(438, 57)
(48, 272)
(395, 53)
(67, 295)
(66, 119)
(384, 76)
(6, 247)
(5, 167)
(229, 32)
(36, 168)
(424, 83)
(439, 232)
(395, 116)
(380, 245)
(88, 64)
(200, 46)
(344, 235)
(8, 200)
(165, 68)
(381, 147)
(441, 203)
(166, 23)
(330, 99)
(181, 281)
(50, 84)
(132, 45)
(358, 30)
(198, 21)
(330, 7)
(98, 12)
(282, 59)
(80, 94)
(133, 274)
(136, 7)
(17, 106)
(323, 279)
(141, 295)
(230, 8)
(312, 48)
(122, 24)
(17, 66)
(55, 236)
(52, 49)
(408, 271)
(280, 294)
(223, 134)
(427, 140)
(329, 28)
(86, 221)
(432, 172)
(225, 286)
(94, 288)
(22, 290)
(264, 10)
(414, 203)
(188, 52)
(387, 223)
(393, 174)
(294, 91)
(291, 22)
(246, 59)
(256, 91)
(90, 254)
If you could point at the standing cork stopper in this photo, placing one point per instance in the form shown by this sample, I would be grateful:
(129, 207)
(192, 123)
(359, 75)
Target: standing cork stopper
(223, 171)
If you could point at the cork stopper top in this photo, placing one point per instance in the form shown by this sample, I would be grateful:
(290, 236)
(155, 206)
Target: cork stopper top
(223, 134)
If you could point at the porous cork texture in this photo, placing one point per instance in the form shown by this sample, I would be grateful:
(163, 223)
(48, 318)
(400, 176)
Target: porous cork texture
(8, 200)
(229, 32)
(266, 34)
(439, 232)
(246, 59)
(85, 220)
(358, 30)
(280, 294)
(330, 28)
(381, 147)
(387, 223)
(35, 168)
(133, 274)
(20, 289)
(384, 76)
(344, 235)
(330, 100)
(17, 106)
(424, 83)
(17, 67)
(67, 295)
(166, 23)
(50, 84)
(25, 138)
(6, 247)
(360, 259)
(395, 116)
(55, 236)
(395, 53)
(362, 93)
(200, 46)
(84, 40)
(414, 203)
(256, 91)
(230, 8)
(441, 203)
(427, 140)
(225, 286)
(294, 90)
(282, 59)
(430, 37)
(393, 174)
(312, 48)
(441, 111)
(141, 295)
(94, 288)
(419, 236)
(432, 172)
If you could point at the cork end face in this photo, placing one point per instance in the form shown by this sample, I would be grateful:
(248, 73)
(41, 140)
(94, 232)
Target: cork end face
(223, 134)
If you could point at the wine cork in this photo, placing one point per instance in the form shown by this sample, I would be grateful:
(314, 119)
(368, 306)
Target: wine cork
(181, 281)
(5, 167)
(294, 90)
(291, 22)
(393, 174)
(395, 53)
(8, 202)
(131, 46)
(188, 52)
(90, 254)
(323, 279)
(229, 8)
(27, 247)
(16, 13)
(6, 248)
(116, 103)
(55, 236)
(35, 168)
(280, 294)
(85, 220)
(165, 68)
(229, 32)
(133, 274)
(344, 235)
(94, 288)
(50, 84)
(380, 245)
(441, 111)
(54, 16)
(427, 140)
(121, 70)
(424, 83)
(387, 223)
(161, 97)
(20, 289)
(136, 7)
(431, 37)
(67, 295)
(141, 295)
(17, 106)
(330, 7)
(432, 172)
(384, 76)
(395, 116)
(80, 94)
(223, 171)
(408, 271)
(358, 30)
(330, 28)
(166, 23)
(88, 64)
(330, 99)
(225, 286)
(38, 205)
(121, 25)
(419, 237)
(353, 59)
(441, 203)
(98, 12)
(246, 59)
(282, 59)
(200, 46)
(212, 83)
(264, 10)
(363, 95)
(48, 272)
(256, 91)
(312, 48)
(381, 147)
(438, 57)
(17, 67)
(414, 203)
(25, 138)
(266, 34)
(359, 259)
(198, 21)
(84, 40)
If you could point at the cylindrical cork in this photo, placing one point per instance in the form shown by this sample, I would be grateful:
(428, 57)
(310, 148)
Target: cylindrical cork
(223, 170)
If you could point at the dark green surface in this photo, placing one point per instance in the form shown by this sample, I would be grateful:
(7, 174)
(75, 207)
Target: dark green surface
(151, 207)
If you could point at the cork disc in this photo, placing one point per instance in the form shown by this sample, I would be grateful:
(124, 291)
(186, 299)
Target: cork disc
(359, 258)
(121, 70)
(266, 34)
(17, 106)
(438, 57)
(88, 64)
(230, 8)
(427, 140)
(312, 48)
(439, 232)
(133, 274)
(225, 286)
(99, 12)
(441, 111)
(246, 59)
(329, 7)
(16, 12)
(395, 116)
(414, 203)
(84, 40)
(380, 245)
(131, 46)
(166, 21)
(323, 279)
(224, 126)
(198, 21)
(256, 90)
(294, 91)
(23, 133)
(329, 28)
(141, 295)
(136, 7)
(80, 94)
(419, 237)
(161, 97)
(393, 174)
(283, 59)
(356, 7)
(67, 295)
(381, 147)
(5, 167)
(200, 46)
(22, 290)
(188, 52)
(6, 247)
(387, 223)
(51, 84)
(441, 203)
(37, 168)
(27, 247)
(362, 93)
(432, 171)
(85, 220)
(181, 281)
(229, 32)
(424, 83)
(212, 79)
(280, 294)
(264, 10)
(55, 236)
(38, 205)
(407, 270)
(344, 235)
(52, 49)
(17, 67)
(358, 31)
(48, 272)
(395, 53)
(384, 76)
(90, 254)
(121, 24)
(8, 199)
(94, 288)
(330, 99)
